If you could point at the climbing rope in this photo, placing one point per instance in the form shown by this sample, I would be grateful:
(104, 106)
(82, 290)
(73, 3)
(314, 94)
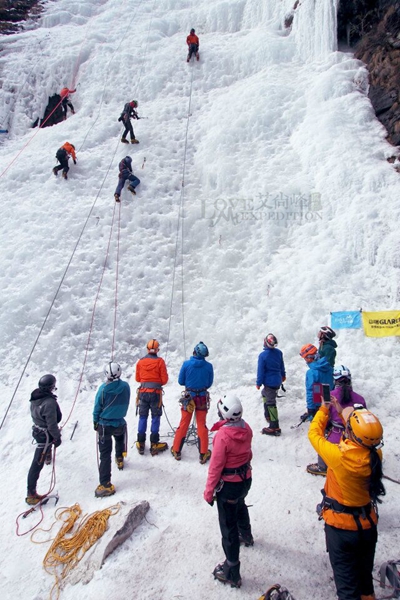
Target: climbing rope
(68, 546)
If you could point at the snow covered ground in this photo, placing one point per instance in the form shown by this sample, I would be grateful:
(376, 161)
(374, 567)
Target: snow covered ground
(212, 248)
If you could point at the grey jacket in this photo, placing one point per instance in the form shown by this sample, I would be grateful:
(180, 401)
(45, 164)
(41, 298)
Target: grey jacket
(45, 412)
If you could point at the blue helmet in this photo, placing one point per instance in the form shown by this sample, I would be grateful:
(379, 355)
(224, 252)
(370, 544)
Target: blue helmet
(200, 350)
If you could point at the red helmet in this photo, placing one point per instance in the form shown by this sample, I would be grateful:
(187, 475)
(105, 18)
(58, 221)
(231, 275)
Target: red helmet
(308, 352)
(134, 104)
(270, 341)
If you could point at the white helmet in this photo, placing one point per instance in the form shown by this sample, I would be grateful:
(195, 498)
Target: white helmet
(112, 371)
(230, 407)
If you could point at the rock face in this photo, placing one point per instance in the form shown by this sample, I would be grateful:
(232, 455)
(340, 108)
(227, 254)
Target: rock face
(372, 27)
(13, 12)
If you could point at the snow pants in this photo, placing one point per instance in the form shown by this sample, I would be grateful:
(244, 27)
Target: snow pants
(149, 402)
(233, 517)
(351, 554)
(106, 433)
(128, 129)
(44, 446)
(133, 180)
(193, 49)
(62, 158)
(202, 431)
(270, 409)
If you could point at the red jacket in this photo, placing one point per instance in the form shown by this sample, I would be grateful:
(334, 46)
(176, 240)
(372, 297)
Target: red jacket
(151, 369)
(231, 449)
(70, 149)
(192, 39)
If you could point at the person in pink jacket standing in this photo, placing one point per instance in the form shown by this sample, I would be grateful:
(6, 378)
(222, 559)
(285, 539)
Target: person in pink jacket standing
(228, 482)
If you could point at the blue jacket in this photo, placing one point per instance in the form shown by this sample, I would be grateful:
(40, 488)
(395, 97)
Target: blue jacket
(196, 374)
(271, 368)
(319, 371)
(111, 404)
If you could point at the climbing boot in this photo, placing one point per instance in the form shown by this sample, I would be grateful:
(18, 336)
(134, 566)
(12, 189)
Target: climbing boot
(104, 490)
(175, 454)
(204, 457)
(226, 574)
(140, 447)
(246, 539)
(120, 462)
(124, 140)
(134, 141)
(271, 431)
(197, 56)
(117, 198)
(132, 189)
(188, 59)
(315, 469)
(157, 447)
(65, 176)
(55, 171)
(34, 498)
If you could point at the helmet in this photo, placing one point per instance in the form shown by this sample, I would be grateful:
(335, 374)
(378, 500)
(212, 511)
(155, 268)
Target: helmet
(230, 408)
(47, 383)
(192, 31)
(134, 104)
(341, 372)
(326, 332)
(365, 428)
(200, 350)
(112, 371)
(270, 341)
(128, 159)
(153, 346)
(308, 352)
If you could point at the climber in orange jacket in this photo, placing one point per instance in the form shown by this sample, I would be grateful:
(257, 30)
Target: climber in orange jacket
(352, 489)
(151, 373)
(66, 102)
(193, 44)
(63, 155)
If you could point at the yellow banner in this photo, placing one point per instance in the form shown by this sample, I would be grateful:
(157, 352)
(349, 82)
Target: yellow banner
(381, 324)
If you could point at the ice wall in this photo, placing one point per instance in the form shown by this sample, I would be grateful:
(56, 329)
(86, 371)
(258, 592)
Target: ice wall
(314, 28)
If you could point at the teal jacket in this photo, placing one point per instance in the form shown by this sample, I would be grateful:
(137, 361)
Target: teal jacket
(111, 404)
(327, 349)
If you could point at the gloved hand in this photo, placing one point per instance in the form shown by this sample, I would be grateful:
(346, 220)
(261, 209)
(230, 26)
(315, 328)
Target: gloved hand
(283, 379)
(309, 415)
(211, 503)
(74, 161)
(95, 426)
(57, 442)
(258, 386)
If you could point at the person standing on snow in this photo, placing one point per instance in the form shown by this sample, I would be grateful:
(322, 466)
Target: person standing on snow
(229, 481)
(319, 371)
(125, 173)
(197, 375)
(151, 373)
(271, 374)
(46, 415)
(349, 506)
(66, 102)
(127, 114)
(193, 44)
(110, 408)
(327, 346)
(345, 397)
(63, 155)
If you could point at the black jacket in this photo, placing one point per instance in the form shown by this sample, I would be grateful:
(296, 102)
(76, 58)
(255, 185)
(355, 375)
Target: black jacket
(127, 113)
(45, 412)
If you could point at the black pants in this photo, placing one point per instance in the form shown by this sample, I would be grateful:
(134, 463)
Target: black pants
(38, 458)
(128, 129)
(193, 49)
(149, 401)
(64, 105)
(233, 516)
(62, 166)
(352, 558)
(106, 433)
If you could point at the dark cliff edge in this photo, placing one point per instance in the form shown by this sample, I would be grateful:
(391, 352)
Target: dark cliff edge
(14, 12)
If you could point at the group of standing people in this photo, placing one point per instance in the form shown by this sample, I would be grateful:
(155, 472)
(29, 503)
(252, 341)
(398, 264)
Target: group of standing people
(346, 436)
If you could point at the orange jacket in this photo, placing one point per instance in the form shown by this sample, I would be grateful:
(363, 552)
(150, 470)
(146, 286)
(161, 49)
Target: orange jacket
(192, 39)
(70, 149)
(347, 476)
(66, 92)
(151, 369)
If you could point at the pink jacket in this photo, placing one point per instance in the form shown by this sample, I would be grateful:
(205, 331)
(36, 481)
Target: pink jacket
(231, 449)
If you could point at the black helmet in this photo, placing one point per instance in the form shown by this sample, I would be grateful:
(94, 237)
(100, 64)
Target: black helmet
(192, 31)
(47, 383)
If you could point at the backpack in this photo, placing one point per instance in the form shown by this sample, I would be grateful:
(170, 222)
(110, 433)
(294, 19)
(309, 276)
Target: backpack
(277, 592)
(61, 154)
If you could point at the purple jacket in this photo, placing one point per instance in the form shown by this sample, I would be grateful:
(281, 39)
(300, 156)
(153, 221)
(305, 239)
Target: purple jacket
(335, 420)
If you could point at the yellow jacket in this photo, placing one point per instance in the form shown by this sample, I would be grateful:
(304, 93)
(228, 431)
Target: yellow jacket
(347, 476)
